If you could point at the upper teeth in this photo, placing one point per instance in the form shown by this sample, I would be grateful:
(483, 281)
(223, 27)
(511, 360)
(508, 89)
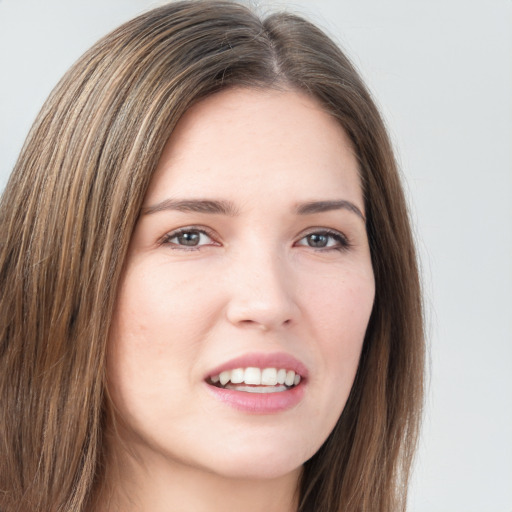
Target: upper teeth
(257, 377)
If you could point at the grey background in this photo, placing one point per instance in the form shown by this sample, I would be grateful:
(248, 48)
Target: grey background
(442, 73)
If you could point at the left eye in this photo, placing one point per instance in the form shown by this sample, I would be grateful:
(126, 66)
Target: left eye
(324, 240)
(188, 238)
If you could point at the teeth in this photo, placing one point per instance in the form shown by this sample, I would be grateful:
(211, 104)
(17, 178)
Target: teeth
(290, 377)
(269, 377)
(224, 377)
(281, 376)
(258, 389)
(237, 376)
(257, 377)
(252, 376)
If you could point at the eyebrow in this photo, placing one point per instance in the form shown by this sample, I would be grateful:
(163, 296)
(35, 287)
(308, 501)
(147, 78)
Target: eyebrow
(220, 207)
(193, 205)
(325, 206)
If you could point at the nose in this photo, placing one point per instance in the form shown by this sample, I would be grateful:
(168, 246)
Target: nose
(262, 294)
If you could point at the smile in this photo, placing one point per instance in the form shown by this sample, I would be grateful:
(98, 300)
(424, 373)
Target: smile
(256, 380)
(259, 383)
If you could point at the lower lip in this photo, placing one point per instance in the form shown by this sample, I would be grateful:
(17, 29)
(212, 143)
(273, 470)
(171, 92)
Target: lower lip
(259, 403)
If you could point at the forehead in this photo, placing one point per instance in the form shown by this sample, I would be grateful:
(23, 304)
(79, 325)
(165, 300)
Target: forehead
(258, 140)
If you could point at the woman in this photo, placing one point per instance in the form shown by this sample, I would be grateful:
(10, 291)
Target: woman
(211, 294)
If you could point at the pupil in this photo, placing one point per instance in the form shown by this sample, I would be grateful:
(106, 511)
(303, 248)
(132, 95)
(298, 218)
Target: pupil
(317, 240)
(188, 238)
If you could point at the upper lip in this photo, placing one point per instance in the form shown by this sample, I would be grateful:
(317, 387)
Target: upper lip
(262, 360)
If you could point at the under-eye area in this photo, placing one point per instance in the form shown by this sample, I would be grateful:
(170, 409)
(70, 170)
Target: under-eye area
(256, 380)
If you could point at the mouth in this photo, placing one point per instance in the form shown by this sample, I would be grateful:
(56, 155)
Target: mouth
(256, 380)
(259, 383)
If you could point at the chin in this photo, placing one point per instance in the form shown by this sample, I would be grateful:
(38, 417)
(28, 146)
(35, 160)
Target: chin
(269, 469)
(263, 459)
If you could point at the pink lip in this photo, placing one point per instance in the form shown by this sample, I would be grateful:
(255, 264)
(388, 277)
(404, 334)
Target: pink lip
(260, 360)
(261, 403)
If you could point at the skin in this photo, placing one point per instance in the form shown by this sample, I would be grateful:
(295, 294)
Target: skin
(255, 282)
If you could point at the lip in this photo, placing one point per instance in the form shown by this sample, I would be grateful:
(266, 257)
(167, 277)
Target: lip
(262, 360)
(261, 403)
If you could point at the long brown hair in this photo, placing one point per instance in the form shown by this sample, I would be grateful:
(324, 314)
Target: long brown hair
(67, 215)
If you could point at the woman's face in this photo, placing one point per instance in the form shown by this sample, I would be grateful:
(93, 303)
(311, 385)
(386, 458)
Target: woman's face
(249, 262)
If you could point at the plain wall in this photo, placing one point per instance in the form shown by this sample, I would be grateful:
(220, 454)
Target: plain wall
(442, 73)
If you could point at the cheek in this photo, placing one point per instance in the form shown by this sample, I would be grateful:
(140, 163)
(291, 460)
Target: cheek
(159, 326)
(157, 312)
(150, 341)
(339, 317)
(341, 308)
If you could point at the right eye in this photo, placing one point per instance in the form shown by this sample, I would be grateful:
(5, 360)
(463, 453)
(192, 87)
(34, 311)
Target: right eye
(188, 239)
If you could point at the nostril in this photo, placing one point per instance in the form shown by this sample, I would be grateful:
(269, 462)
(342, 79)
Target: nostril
(263, 325)
(253, 324)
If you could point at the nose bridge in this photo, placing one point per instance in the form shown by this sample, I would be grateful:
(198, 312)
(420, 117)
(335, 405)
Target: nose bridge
(262, 291)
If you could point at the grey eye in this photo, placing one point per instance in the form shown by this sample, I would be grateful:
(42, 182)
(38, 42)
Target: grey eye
(317, 240)
(324, 240)
(188, 238)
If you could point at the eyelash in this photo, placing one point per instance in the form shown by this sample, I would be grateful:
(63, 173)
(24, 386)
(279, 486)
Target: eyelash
(342, 243)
